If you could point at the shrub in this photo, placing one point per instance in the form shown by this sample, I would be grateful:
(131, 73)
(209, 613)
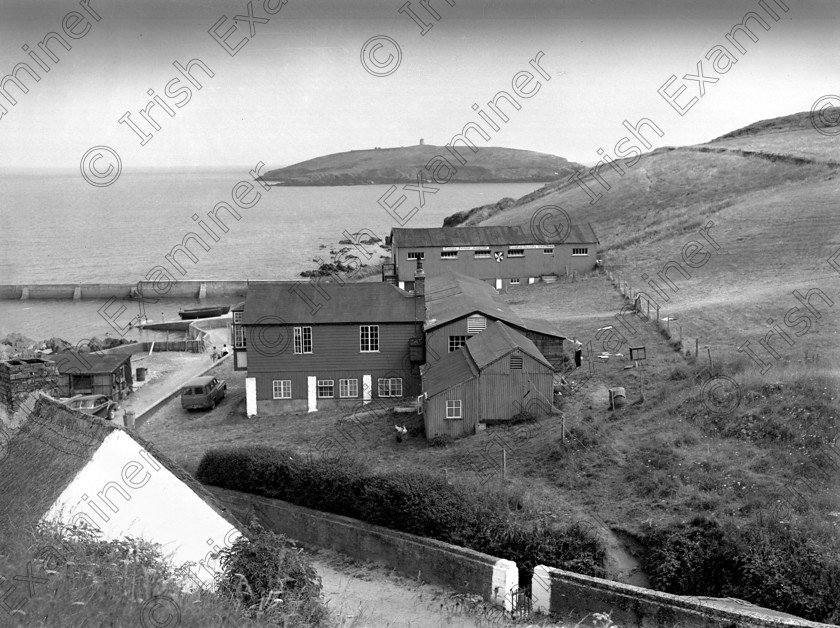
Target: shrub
(412, 502)
(269, 578)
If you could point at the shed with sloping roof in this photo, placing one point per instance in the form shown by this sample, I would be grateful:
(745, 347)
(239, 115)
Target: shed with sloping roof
(93, 373)
(491, 379)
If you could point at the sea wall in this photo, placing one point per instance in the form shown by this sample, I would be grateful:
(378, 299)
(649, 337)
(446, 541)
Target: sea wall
(464, 570)
(181, 290)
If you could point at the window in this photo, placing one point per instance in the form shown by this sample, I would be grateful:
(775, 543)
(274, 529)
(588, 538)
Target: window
(516, 361)
(549, 250)
(326, 388)
(390, 386)
(476, 324)
(449, 255)
(453, 408)
(348, 388)
(580, 251)
(303, 340)
(516, 252)
(415, 255)
(514, 281)
(368, 338)
(238, 331)
(482, 254)
(281, 388)
(456, 342)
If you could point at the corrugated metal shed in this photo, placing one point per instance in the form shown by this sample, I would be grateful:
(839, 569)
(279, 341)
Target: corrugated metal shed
(496, 342)
(452, 369)
(479, 236)
(302, 302)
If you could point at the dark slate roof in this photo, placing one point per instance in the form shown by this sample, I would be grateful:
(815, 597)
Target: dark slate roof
(52, 446)
(479, 236)
(451, 296)
(497, 341)
(451, 370)
(88, 363)
(375, 302)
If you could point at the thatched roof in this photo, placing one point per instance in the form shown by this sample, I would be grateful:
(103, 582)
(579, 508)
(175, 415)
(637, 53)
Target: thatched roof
(51, 448)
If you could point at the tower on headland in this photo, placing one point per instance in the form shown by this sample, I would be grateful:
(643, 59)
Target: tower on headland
(421, 141)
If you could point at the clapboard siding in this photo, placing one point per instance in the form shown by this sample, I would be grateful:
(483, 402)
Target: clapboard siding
(299, 380)
(335, 346)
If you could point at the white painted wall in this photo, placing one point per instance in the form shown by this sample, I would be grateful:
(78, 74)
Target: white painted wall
(146, 501)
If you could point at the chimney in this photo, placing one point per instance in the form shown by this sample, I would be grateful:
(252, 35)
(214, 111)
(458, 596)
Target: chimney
(419, 279)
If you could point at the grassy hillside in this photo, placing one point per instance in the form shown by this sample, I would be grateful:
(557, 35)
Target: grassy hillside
(401, 165)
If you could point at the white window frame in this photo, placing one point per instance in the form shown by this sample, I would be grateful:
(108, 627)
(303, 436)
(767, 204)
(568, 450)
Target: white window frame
(449, 255)
(415, 255)
(348, 388)
(580, 251)
(325, 383)
(516, 253)
(483, 254)
(463, 344)
(281, 389)
(238, 331)
(300, 340)
(372, 330)
(476, 324)
(389, 385)
(514, 281)
(549, 250)
(453, 406)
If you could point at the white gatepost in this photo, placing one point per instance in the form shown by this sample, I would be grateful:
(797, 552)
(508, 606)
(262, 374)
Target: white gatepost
(367, 390)
(541, 589)
(312, 393)
(505, 580)
(251, 396)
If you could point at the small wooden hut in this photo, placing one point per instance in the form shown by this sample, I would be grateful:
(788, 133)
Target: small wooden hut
(94, 374)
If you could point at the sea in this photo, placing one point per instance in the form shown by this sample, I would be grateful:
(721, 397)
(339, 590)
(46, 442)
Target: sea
(56, 228)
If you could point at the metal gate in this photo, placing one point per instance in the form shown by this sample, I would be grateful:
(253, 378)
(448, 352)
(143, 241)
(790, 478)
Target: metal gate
(520, 602)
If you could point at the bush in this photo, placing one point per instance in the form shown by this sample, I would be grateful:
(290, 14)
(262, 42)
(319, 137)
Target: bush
(412, 502)
(269, 578)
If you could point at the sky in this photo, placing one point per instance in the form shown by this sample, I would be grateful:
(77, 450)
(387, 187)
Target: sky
(297, 88)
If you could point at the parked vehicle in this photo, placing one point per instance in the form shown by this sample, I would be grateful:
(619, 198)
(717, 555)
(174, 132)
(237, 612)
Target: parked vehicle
(97, 405)
(203, 392)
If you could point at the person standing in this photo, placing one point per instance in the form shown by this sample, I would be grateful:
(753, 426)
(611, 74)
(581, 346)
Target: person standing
(578, 353)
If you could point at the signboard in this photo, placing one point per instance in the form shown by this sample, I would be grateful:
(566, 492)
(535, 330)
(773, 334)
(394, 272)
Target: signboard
(637, 353)
(487, 248)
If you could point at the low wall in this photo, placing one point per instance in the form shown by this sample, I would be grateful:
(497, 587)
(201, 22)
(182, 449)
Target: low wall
(568, 594)
(440, 563)
(179, 289)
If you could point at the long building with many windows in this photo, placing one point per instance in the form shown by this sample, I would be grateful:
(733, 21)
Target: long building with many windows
(502, 256)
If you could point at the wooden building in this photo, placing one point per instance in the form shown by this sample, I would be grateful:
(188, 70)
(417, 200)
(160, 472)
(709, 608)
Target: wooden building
(94, 374)
(487, 380)
(237, 337)
(314, 345)
(460, 307)
(502, 256)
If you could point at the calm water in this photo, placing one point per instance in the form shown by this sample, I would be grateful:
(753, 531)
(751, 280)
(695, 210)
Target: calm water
(59, 229)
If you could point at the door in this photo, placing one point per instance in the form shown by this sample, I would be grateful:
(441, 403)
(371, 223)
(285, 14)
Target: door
(312, 392)
(498, 284)
(367, 390)
(251, 396)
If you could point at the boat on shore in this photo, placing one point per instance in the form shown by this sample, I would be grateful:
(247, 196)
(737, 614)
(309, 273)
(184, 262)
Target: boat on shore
(203, 312)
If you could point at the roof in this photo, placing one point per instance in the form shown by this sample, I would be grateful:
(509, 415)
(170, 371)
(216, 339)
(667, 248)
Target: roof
(75, 362)
(497, 341)
(489, 236)
(51, 448)
(452, 369)
(294, 302)
(451, 296)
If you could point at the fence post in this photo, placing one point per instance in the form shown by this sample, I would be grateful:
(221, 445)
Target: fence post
(658, 324)
(696, 347)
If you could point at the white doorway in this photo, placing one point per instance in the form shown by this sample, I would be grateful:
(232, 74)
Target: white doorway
(312, 392)
(251, 396)
(367, 391)
(498, 284)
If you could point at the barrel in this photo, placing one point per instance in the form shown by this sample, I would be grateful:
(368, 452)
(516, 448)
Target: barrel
(129, 419)
(141, 373)
(617, 397)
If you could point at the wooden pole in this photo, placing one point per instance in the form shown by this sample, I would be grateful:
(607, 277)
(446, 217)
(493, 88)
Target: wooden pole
(710, 355)
(563, 429)
(696, 347)
(657, 317)
(648, 309)
(642, 382)
(504, 465)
